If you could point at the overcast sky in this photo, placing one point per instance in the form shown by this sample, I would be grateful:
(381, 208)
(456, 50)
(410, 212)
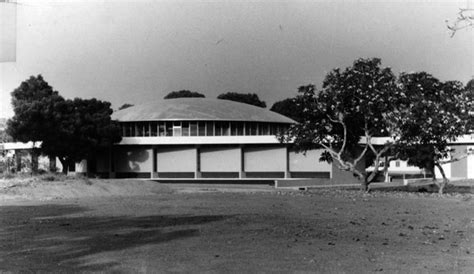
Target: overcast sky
(129, 52)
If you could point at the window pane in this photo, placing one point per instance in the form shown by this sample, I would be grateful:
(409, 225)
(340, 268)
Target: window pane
(263, 129)
(273, 130)
(124, 130)
(202, 129)
(193, 127)
(169, 129)
(233, 128)
(252, 128)
(161, 129)
(209, 129)
(240, 128)
(218, 128)
(146, 129)
(225, 128)
(185, 128)
(132, 129)
(153, 127)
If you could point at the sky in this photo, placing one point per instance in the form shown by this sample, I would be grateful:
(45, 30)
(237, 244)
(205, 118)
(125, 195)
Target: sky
(134, 52)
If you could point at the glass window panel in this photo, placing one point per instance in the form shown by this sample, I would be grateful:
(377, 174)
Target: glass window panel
(146, 129)
(193, 128)
(185, 128)
(225, 128)
(124, 130)
(202, 129)
(138, 129)
(233, 128)
(132, 129)
(169, 129)
(263, 129)
(161, 129)
(218, 128)
(154, 128)
(252, 129)
(176, 128)
(209, 129)
(273, 129)
(240, 128)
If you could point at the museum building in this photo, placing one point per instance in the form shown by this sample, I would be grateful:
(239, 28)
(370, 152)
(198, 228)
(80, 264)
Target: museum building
(200, 138)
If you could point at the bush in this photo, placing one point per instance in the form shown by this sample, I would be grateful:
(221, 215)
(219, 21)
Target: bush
(8, 176)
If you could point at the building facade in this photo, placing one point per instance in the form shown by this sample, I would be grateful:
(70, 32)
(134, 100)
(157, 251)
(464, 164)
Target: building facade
(198, 138)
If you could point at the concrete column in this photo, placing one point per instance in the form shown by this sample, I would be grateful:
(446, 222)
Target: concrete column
(242, 163)
(154, 168)
(287, 163)
(111, 163)
(197, 173)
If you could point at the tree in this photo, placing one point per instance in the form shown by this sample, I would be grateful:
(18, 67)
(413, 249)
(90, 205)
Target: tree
(361, 100)
(470, 94)
(124, 106)
(289, 108)
(34, 102)
(71, 130)
(249, 98)
(183, 94)
(436, 114)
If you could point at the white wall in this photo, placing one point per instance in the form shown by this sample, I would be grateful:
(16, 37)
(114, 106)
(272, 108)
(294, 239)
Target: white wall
(470, 164)
(177, 159)
(264, 159)
(220, 159)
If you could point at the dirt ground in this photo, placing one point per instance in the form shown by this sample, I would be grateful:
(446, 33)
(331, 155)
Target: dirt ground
(129, 226)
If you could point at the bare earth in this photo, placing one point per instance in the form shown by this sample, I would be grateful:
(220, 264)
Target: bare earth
(137, 226)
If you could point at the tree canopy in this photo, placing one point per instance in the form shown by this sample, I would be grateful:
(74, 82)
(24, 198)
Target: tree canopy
(289, 108)
(71, 130)
(361, 100)
(246, 98)
(183, 94)
(470, 95)
(436, 113)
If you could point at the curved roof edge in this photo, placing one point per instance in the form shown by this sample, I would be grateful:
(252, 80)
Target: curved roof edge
(198, 109)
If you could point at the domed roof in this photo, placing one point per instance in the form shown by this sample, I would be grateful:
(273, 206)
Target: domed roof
(198, 109)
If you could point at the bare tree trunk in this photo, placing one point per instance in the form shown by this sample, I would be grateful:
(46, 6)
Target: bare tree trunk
(34, 161)
(364, 185)
(65, 165)
(18, 161)
(52, 164)
(445, 180)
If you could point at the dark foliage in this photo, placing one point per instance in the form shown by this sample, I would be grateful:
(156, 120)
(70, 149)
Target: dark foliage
(183, 94)
(71, 130)
(249, 98)
(289, 108)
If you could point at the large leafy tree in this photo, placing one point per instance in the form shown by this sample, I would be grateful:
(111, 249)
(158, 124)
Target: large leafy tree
(289, 108)
(361, 100)
(183, 94)
(470, 96)
(34, 103)
(246, 98)
(71, 130)
(84, 127)
(436, 113)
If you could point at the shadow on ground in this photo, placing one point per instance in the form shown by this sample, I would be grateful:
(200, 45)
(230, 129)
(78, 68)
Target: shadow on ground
(45, 239)
(428, 188)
